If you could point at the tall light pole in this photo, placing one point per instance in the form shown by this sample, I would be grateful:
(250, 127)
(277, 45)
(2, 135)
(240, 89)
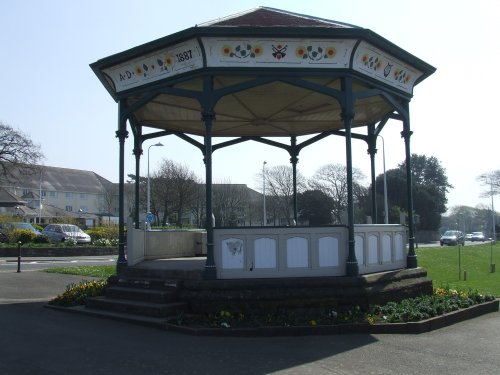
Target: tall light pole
(264, 191)
(386, 208)
(159, 144)
(493, 213)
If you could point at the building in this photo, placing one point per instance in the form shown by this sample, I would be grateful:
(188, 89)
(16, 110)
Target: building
(45, 193)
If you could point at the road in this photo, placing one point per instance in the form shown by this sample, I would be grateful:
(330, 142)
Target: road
(40, 263)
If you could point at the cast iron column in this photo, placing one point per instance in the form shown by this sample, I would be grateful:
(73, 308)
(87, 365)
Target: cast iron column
(210, 267)
(411, 259)
(372, 150)
(137, 152)
(348, 116)
(121, 134)
(294, 160)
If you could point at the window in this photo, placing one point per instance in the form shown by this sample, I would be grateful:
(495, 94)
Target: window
(53, 194)
(69, 195)
(84, 196)
(44, 193)
(69, 208)
(26, 191)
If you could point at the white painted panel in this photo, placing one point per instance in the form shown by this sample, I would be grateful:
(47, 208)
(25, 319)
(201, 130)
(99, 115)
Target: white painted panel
(399, 246)
(265, 253)
(328, 252)
(297, 252)
(232, 253)
(372, 249)
(359, 245)
(386, 248)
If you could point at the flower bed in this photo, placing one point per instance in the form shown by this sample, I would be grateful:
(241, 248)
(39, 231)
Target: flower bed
(445, 306)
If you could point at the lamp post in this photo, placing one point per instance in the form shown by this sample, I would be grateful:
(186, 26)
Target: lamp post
(148, 203)
(493, 214)
(386, 208)
(264, 192)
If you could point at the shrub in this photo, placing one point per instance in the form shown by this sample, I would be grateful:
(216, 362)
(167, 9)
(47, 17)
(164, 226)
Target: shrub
(78, 294)
(22, 235)
(70, 242)
(105, 232)
(42, 238)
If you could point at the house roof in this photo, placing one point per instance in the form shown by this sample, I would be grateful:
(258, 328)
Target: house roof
(9, 200)
(56, 179)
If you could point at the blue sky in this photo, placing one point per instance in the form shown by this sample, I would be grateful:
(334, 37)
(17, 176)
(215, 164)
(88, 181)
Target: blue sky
(49, 92)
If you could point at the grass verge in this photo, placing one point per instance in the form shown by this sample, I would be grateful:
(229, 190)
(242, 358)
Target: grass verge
(91, 271)
(446, 266)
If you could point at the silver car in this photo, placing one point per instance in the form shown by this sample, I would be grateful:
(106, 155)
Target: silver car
(61, 232)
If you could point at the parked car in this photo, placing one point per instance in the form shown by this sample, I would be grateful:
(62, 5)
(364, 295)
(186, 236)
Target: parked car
(468, 236)
(61, 232)
(5, 228)
(452, 237)
(478, 236)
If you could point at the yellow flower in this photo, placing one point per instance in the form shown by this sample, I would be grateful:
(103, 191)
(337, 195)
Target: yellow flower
(300, 52)
(313, 322)
(227, 50)
(330, 52)
(257, 50)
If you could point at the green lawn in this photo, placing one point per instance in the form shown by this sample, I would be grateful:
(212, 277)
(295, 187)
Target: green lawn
(443, 267)
(91, 271)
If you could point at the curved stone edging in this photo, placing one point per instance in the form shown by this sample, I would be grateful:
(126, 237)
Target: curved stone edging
(390, 328)
(59, 251)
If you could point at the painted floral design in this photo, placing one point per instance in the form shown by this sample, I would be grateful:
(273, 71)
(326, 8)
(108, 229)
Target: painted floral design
(402, 76)
(372, 62)
(166, 62)
(242, 51)
(315, 53)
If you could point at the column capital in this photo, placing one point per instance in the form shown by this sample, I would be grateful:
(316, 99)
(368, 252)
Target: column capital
(137, 151)
(372, 150)
(406, 134)
(207, 116)
(121, 134)
(347, 115)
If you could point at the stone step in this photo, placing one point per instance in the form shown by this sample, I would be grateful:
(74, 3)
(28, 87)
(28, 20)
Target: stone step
(149, 273)
(141, 294)
(158, 310)
(144, 283)
(143, 320)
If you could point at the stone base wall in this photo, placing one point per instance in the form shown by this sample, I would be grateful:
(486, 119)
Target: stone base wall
(271, 295)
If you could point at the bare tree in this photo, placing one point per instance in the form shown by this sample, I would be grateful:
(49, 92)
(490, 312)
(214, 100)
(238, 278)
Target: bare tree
(17, 150)
(174, 190)
(230, 203)
(279, 185)
(331, 179)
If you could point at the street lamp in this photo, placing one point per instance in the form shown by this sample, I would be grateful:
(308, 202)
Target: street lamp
(264, 191)
(159, 144)
(386, 208)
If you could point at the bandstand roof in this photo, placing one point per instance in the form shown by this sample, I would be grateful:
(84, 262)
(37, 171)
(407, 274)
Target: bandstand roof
(267, 71)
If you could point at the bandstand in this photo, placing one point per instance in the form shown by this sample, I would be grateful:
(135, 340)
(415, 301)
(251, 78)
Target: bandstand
(286, 80)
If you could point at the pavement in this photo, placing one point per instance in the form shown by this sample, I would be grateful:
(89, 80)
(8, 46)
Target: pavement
(38, 340)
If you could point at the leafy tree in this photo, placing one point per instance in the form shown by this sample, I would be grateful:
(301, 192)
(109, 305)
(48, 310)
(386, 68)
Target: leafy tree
(17, 150)
(315, 207)
(430, 185)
